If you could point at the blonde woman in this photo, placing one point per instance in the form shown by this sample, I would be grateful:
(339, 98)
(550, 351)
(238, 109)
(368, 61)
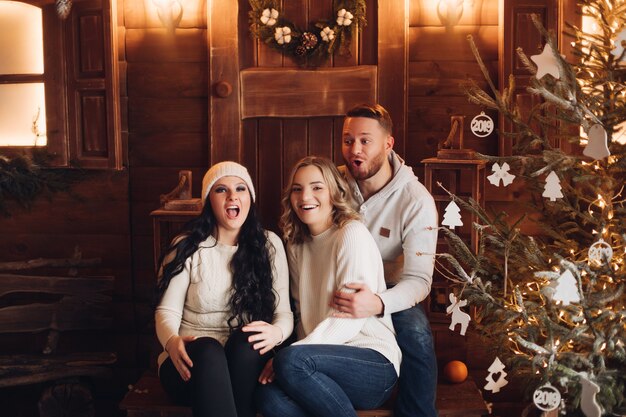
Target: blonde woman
(338, 364)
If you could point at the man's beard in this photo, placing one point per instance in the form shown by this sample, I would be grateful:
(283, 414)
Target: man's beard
(375, 165)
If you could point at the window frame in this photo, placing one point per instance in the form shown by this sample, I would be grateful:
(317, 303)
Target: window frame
(64, 139)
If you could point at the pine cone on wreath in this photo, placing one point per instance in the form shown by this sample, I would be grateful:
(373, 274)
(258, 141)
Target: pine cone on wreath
(309, 40)
(300, 50)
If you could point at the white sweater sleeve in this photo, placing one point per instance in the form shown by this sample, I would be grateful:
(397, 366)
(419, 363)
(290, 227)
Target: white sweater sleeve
(283, 317)
(419, 244)
(169, 313)
(357, 259)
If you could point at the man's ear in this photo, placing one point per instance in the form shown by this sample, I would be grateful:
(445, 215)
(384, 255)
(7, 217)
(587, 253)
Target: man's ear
(389, 143)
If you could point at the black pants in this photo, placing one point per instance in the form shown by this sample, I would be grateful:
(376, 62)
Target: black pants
(223, 379)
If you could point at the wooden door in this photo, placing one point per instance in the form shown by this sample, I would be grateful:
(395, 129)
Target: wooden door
(267, 112)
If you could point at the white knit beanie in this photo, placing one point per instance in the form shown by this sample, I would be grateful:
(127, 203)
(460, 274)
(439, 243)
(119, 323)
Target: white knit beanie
(225, 169)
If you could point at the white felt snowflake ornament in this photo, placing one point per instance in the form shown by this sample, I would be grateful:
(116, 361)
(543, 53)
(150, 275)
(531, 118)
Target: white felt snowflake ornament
(269, 17)
(546, 63)
(501, 173)
(327, 34)
(344, 17)
(619, 49)
(282, 35)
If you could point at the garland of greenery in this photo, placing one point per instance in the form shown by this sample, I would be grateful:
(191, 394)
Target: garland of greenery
(23, 179)
(314, 45)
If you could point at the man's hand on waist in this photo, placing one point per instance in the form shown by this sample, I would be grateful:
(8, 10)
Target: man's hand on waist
(358, 302)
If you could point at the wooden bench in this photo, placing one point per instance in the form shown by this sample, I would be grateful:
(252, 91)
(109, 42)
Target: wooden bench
(147, 399)
(31, 305)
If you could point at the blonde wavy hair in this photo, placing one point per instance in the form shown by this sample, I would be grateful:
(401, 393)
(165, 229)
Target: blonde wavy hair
(344, 206)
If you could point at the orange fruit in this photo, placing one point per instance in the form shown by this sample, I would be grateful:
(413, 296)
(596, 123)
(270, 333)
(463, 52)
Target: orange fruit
(455, 372)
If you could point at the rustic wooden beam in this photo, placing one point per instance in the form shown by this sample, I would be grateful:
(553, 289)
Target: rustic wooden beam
(280, 92)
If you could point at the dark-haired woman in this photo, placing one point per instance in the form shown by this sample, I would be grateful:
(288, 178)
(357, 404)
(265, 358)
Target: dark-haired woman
(224, 300)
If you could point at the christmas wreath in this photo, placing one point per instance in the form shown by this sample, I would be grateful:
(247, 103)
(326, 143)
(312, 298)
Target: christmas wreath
(315, 44)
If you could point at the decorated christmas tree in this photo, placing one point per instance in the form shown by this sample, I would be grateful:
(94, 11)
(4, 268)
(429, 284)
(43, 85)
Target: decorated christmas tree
(554, 303)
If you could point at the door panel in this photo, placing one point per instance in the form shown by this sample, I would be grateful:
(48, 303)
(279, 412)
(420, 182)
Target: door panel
(267, 112)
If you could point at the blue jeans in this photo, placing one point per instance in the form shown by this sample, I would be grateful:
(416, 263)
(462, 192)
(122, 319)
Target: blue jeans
(326, 380)
(418, 371)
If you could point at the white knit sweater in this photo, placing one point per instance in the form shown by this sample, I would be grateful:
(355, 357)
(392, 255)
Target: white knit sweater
(324, 264)
(196, 300)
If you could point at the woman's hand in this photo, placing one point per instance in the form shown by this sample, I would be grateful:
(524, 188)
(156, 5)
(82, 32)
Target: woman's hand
(266, 337)
(175, 347)
(267, 374)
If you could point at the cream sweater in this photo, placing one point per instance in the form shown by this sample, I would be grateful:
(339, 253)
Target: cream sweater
(196, 300)
(324, 264)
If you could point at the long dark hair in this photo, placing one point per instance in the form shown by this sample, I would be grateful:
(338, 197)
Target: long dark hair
(252, 295)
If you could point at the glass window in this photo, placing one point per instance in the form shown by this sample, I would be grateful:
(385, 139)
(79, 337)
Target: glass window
(22, 95)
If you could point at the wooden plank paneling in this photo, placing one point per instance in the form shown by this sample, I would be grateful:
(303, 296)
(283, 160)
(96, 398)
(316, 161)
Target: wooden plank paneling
(321, 10)
(321, 136)
(303, 93)
(93, 124)
(141, 14)
(183, 150)
(249, 148)
(175, 115)
(271, 165)
(444, 78)
(147, 184)
(297, 12)
(157, 45)
(442, 44)
(477, 12)
(177, 80)
(224, 123)
(392, 65)
(295, 144)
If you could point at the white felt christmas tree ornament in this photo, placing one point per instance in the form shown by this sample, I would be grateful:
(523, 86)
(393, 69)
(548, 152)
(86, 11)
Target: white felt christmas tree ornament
(501, 173)
(588, 403)
(458, 316)
(566, 290)
(552, 189)
(546, 63)
(619, 49)
(599, 252)
(452, 216)
(496, 370)
(597, 147)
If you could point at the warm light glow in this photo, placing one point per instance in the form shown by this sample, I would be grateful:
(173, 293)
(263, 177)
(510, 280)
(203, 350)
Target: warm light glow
(22, 107)
(21, 38)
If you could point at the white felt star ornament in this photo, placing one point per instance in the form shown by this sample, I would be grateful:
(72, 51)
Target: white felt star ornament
(619, 49)
(546, 63)
(501, 173)
(269, 16)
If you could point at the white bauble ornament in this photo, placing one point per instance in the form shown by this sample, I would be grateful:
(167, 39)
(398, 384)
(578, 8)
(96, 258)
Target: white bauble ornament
(600, 251)
(482, 125)
(547, 397)
(597, 145)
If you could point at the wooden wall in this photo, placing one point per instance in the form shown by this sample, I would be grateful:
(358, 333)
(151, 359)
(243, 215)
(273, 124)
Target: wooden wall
(166, 95)
(440, 59)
